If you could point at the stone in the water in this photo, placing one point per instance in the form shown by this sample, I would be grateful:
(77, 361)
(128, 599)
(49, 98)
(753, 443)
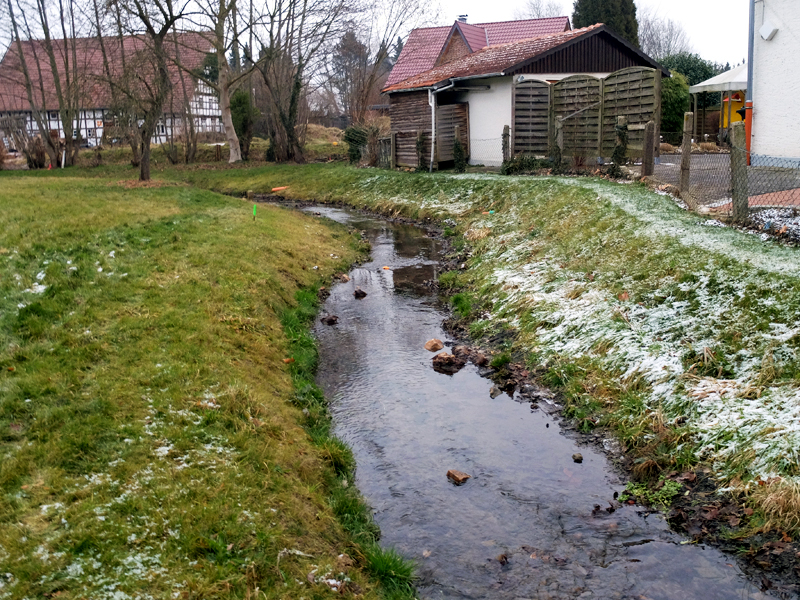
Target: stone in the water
(461, 352)
(495, 391)
(479, 358)
(344, 278)
(447, 363)
(330, 320)
(457, 477)
(434, 345)
(359, 293)
(577, 457)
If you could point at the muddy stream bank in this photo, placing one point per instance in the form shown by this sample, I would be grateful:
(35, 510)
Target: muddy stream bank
(523, 526)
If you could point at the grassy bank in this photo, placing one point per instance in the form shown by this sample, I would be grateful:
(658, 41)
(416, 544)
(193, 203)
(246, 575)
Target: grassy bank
(155, 443)
(680, 335)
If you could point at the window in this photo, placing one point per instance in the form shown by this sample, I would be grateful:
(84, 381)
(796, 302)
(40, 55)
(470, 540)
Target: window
(53, 116)
(90, 133)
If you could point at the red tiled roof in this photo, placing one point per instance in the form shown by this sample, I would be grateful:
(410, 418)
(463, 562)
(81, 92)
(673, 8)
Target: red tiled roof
(419, 53)
(475, 36)
(505, 32)
(494, 59)
(96, 92)
(424, 45)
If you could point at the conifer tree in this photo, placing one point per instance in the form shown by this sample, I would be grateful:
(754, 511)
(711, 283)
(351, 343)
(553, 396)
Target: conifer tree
(619, 15)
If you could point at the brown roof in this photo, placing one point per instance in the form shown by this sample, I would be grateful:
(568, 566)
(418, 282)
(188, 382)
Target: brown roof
(96, 91)
(424, 45)
(494, 59)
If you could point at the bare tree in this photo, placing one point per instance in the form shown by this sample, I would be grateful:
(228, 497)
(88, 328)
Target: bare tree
(540, 9)
(112, 49)
(49, 70)
(147, 78)
(660, 37)
(378, 27)
(292, 37)
(221, 19)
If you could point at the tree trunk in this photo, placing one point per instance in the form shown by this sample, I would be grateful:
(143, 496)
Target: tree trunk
(227, 122)
(136, 157)
(224, 91)
(144, 164)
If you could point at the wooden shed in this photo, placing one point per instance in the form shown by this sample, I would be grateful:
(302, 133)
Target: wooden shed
(477, 95)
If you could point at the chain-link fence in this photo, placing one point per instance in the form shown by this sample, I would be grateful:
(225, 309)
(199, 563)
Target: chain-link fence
(729, 181)
(766, 181)
(488, 152)
(708, 177)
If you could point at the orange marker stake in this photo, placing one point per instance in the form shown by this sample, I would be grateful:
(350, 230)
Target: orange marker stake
(278, 189)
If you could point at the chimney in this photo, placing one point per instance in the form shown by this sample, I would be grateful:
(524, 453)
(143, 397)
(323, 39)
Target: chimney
(462, 18)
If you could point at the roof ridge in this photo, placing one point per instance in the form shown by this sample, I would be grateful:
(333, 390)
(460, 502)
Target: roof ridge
(571, 32)
(523, 20)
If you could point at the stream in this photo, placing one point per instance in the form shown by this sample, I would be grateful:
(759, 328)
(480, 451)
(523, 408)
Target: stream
(522, 527)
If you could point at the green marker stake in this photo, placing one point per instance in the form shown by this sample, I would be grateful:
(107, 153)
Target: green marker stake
(254, 212)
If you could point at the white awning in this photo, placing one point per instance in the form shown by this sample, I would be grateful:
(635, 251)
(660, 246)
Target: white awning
(729, 81)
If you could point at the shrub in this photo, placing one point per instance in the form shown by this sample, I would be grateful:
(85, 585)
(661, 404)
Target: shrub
(244, 116)
(525, 163)
(35, 153)
(620, 155)
(356, 137)
(674, 102)
(459, 157)
(3, 155)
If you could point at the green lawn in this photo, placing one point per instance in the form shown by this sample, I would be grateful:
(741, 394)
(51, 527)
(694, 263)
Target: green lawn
(152, 438)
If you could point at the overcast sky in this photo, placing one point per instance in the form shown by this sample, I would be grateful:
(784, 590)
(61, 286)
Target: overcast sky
(717, 29)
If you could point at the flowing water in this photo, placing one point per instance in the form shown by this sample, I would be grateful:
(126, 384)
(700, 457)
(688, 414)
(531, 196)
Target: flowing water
(522, 526)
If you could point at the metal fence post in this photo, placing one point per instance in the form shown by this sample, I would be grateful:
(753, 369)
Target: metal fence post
(686, 158)
(741, 207)
(648, 149)
(506, 142)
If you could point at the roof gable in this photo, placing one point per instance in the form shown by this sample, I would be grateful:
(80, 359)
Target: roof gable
(425, 45)
(475, 36)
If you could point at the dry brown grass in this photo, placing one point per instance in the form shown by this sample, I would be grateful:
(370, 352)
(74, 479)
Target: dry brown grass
(780, 501)
(575, 292)
(322, 134)
(474, 235)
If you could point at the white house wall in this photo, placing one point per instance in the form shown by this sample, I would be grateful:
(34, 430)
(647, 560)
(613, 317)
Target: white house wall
(489, 112)
(776, 81)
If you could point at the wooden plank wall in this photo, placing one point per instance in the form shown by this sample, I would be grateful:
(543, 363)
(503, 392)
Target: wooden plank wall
(633, 92)
(531, 117)
(410, 113)
(447, 118)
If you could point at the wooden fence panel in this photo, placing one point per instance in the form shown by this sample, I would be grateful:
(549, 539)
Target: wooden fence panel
(531, 117)
(630, 93)
(576, 101)
(589, 108)
(448, 117)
